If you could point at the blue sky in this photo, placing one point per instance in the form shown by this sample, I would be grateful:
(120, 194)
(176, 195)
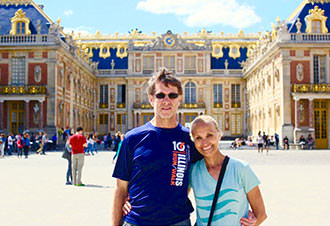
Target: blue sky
(110, 16)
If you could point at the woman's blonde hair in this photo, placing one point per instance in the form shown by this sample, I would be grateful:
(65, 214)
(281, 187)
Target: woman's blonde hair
(205, 119)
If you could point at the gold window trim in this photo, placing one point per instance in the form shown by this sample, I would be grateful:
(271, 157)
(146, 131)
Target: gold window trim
(316, 14)
(104, 55)
(232, 54)
(19, 17)
(220, 53)
(123, 54)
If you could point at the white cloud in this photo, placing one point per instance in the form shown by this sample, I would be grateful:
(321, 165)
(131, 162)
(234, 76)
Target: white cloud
(81, 29)
(197, 13)
(68, 12)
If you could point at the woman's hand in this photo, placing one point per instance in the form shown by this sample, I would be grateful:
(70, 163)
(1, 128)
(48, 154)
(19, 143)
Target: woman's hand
(250, 221)
(126, 207)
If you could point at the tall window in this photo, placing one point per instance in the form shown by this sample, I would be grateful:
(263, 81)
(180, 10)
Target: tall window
(169, 62)
(219, 119)
(319, 69)
(235, 124)
(121, 94)
(190, 93)
(104, 122)
(121, 123)
(235, 95)
(190, 62)
(316, 26)
(104, 95)
(217, 95)
(20, 28)
(148, 63)
(18, 71)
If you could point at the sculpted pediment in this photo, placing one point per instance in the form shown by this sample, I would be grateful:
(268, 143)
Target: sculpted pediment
(170, 41)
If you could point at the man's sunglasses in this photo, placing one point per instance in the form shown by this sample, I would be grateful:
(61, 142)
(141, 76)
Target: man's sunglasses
(163, 95)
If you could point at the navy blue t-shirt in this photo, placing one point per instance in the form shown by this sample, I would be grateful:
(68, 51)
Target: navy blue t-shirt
(156, 163)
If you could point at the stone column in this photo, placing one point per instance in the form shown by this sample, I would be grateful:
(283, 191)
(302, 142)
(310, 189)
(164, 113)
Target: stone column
(311, 113)
(27, 114)
(1, 114)
(41, 124)
(296, 112)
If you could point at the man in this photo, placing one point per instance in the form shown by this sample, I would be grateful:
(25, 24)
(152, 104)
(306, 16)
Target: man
(152, 166)
(26, 144)
(44, 142)
(10, 143)
(77, 142)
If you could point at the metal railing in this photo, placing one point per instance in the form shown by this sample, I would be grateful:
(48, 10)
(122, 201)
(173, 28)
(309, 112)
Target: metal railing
(142, 106)
(308, 88)
(23, 89)
(192, 105)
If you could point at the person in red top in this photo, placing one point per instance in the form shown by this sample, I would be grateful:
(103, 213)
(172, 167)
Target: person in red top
(77, 142)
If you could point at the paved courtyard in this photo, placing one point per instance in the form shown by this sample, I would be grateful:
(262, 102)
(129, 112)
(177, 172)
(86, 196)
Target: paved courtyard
(295, 186)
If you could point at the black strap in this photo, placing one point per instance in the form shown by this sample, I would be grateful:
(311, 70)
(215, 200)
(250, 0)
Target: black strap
(216, 194)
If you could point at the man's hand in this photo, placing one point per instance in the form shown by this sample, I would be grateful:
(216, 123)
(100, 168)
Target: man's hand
(250, 221)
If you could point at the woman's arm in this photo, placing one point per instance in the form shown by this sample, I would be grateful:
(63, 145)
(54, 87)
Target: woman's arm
(119, 198)
(257, 204)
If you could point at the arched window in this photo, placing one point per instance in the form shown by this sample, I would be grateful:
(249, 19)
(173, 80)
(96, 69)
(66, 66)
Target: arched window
(190, 93)
(20, 24)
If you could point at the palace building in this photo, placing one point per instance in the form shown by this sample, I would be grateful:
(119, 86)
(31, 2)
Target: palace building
(274, 81)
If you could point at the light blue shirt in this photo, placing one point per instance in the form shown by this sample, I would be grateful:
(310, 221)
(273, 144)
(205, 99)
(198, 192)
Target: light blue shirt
(232, 203)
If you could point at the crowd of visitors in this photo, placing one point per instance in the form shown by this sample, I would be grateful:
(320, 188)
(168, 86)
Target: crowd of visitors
(26, 143)
(264, 141)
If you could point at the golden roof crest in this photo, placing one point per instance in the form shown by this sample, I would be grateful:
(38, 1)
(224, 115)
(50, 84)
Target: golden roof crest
(15, 2)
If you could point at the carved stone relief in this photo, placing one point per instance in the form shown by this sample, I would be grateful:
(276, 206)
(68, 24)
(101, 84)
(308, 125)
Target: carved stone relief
(37, 73)
(300, 72)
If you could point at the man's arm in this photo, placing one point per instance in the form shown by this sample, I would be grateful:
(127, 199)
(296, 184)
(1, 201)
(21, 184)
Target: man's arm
(119, 198)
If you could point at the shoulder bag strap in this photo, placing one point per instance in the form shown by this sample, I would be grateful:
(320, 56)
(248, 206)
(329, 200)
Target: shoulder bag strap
(216, 194)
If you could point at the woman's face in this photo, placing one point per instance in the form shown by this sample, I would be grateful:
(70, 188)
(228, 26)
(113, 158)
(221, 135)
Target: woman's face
(206, 137)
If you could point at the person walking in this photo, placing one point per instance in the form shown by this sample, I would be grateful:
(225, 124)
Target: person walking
(277, 141)
(118, 149)
(2, 145)
(44, 142)
(260, 141)
(39, 142)
(67, 155)
(286, 143)
(77, 142)
(26, 144)
(10, 141)
(19, 144)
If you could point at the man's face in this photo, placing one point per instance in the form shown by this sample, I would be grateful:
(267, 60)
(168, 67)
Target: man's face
(165, 107)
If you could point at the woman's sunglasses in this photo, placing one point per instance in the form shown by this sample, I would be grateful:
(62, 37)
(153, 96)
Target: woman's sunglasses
(163, 95)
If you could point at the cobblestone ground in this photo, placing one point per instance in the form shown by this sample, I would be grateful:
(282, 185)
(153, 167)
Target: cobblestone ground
(294, 185)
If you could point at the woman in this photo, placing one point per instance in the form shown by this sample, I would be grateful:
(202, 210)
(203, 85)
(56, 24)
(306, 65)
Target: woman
(67, 155)
(267, 144)
(260, 141)
(239, 187)
(118, 149)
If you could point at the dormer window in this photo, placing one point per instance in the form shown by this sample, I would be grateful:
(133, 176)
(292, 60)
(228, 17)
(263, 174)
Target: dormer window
(316, 22)
(20, 24)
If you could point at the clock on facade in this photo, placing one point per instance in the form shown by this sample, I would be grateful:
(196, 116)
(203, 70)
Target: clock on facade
(169, 40)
